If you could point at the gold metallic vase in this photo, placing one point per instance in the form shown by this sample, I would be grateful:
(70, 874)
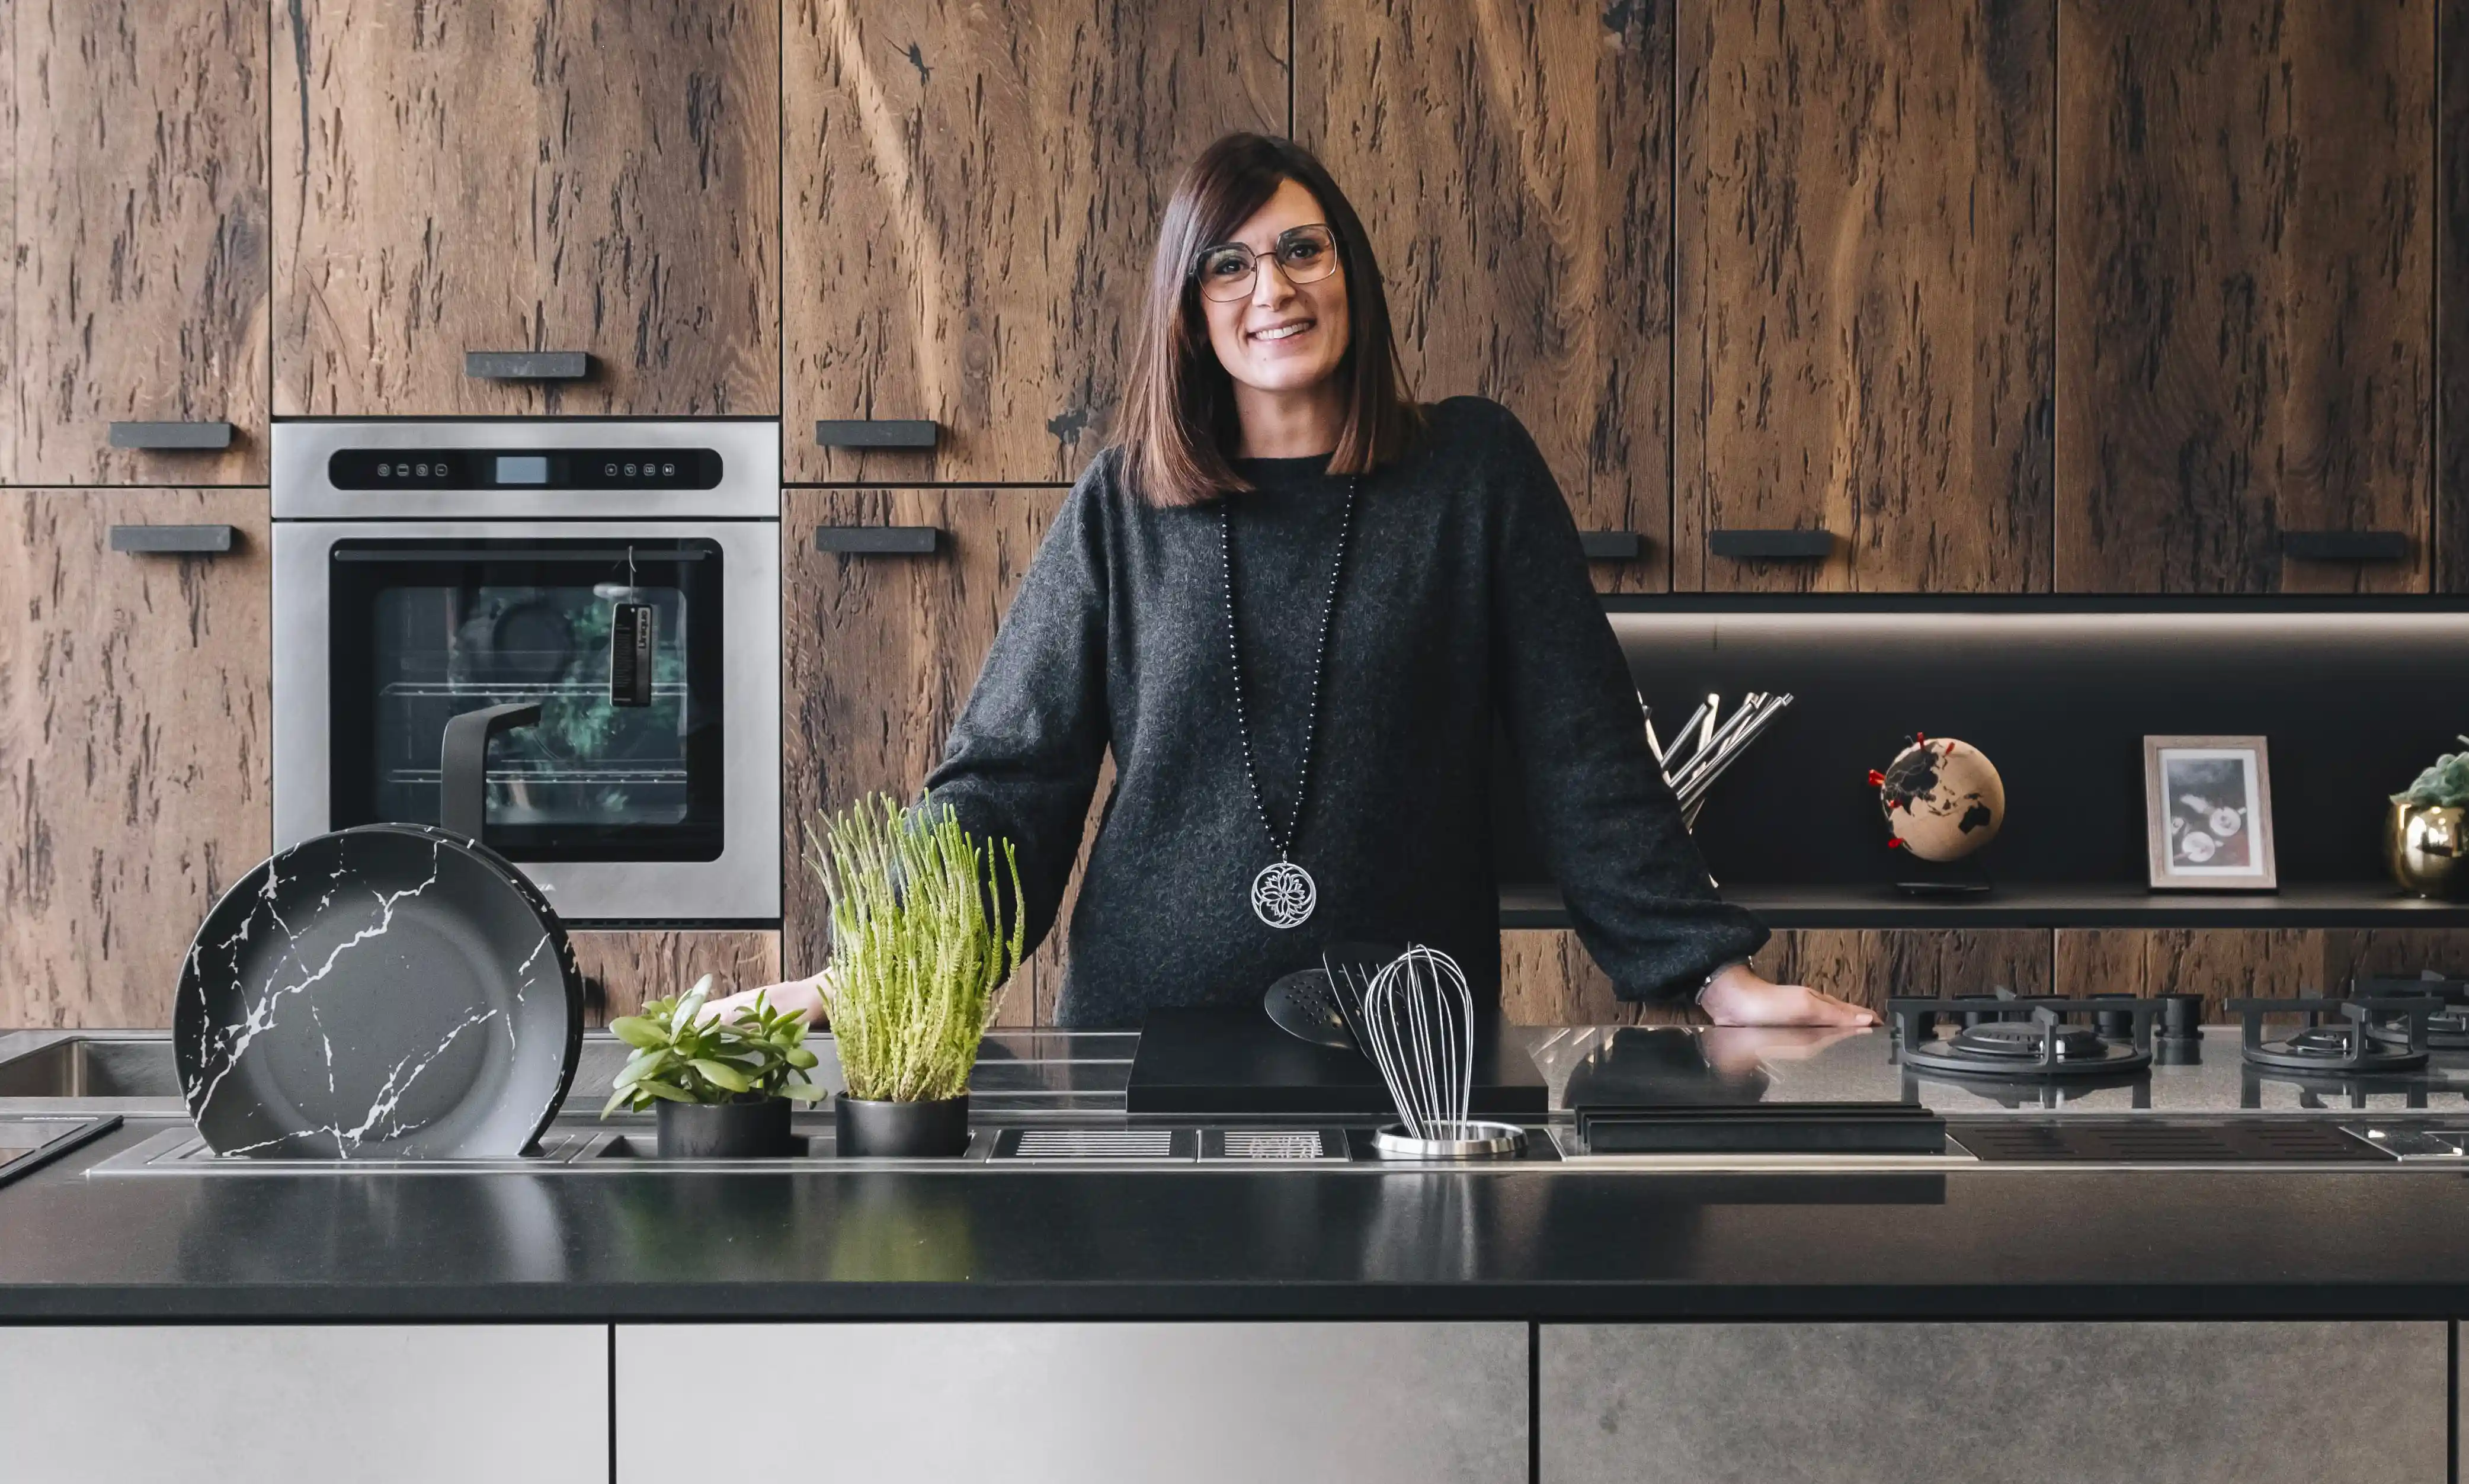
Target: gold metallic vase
(2425, 845)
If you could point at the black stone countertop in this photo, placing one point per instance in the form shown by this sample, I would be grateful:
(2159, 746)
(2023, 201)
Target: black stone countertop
(1532, 1243)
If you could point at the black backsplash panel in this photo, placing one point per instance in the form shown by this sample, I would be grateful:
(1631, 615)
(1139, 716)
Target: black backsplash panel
(2355, 696)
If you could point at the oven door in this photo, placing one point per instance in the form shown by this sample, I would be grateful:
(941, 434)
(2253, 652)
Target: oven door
(650, 801)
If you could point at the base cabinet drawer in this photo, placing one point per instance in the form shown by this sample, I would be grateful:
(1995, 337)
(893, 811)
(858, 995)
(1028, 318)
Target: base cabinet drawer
(1096, 1404)
(1905, 1404)
(305, 1405)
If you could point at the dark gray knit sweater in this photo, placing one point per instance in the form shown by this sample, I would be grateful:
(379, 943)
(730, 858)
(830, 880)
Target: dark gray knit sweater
(1465, 595)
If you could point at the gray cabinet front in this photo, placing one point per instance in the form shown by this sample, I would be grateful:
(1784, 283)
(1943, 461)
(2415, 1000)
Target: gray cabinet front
(1903, 1403)
(305, 1403)
(1095, 1404)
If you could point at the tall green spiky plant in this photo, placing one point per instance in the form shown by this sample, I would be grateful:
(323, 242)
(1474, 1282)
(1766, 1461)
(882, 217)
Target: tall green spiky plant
(918, 968)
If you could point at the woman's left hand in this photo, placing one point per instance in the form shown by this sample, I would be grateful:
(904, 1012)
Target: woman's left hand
(1740, 996)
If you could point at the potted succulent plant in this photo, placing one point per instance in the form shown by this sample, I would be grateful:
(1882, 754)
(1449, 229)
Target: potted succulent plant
(2423, 838)
(919, 959)
(721, 1088)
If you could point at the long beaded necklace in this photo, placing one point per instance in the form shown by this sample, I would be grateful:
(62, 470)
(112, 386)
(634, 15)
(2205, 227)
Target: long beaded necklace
(1283, 893)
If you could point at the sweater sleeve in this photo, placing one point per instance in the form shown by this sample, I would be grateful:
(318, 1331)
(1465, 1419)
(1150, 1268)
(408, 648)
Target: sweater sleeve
(1637, 890)
(1022, 761)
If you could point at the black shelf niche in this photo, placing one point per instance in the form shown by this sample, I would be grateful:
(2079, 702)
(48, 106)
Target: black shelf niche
(2355, 695)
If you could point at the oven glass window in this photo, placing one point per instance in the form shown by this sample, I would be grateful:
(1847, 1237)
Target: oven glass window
(619, 643)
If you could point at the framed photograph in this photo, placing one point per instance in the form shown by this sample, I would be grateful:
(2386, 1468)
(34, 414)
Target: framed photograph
(2207, 811)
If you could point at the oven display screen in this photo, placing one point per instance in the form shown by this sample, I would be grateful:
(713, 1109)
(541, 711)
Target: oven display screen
(522, 469)
(525, 468)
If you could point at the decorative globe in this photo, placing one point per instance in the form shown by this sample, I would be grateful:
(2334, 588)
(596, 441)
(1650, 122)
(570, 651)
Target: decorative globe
(1942, 798)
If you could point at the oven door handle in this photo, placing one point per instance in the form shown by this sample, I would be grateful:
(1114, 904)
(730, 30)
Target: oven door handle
(463, 763)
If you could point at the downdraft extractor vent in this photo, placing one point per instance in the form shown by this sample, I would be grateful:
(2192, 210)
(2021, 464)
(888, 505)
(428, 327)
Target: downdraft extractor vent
(1095, 1144)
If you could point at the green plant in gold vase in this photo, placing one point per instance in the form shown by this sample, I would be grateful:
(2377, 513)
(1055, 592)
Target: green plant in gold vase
(920, 956)
(2426, 831)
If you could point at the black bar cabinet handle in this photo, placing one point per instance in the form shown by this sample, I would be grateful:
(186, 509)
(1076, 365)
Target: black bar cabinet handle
(175, 540)
(1611, 545)
(1772, 545)
(171, 436)
(2344, 545)
(879, 433)
(879, 541)
(463, 763)
(526, 365)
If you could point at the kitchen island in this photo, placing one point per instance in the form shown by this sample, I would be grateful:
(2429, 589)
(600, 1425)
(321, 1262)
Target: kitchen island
(1558, 1318)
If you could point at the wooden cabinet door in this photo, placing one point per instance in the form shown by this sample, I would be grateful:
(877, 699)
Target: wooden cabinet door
(881, 653)
(135, 701)
(1512, 162)
(623, 969)
(2246, 259)
(972, 198)
(527, 176)
(1547, 978)
(306, 1403)
(1865, 221)
(135, 287)
(1800, 1404)
(2223, 964)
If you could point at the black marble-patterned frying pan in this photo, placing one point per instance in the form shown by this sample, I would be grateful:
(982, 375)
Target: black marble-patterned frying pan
(385, 991)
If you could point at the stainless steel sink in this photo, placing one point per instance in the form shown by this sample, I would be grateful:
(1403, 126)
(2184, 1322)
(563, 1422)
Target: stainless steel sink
(85, 1067)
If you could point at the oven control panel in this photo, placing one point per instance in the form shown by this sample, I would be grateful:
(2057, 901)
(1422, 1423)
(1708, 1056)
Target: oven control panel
(525, 468)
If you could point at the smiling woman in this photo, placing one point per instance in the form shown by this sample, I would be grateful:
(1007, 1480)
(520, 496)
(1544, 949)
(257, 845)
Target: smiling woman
(1292, 604)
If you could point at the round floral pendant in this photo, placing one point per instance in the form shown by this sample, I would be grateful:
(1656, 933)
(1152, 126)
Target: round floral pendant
(1283, 895)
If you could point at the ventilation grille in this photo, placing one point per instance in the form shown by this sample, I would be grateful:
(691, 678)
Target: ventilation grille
(2164, 1143)
(1095, 1144)
(1275, 1143)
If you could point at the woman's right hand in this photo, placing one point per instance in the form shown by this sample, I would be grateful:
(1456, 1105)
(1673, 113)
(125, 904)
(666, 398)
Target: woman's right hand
(802, 995)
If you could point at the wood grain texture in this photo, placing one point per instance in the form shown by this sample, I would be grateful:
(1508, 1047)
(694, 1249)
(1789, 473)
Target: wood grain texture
(1548, 979)
(2246, 260)
(2224, 964)
(134, 732)
(972, 197)
(137, 289)
(526, 175)
(1867, 215)
(1512, 163)
(881, 654)
(623, 969)
(2452, 301)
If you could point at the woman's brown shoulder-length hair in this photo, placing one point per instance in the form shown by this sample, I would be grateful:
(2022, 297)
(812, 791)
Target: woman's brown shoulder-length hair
(1178, 429)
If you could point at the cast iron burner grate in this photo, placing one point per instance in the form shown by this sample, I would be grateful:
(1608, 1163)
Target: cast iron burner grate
(2340, 1037)
(2090, 1141)
(2447, 1028)
(2039, 1039)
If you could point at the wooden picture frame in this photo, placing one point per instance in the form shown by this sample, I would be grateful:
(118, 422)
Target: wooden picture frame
(2207, 813)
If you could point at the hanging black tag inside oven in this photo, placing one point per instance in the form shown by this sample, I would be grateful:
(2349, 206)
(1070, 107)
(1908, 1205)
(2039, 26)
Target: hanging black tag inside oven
(631, 634)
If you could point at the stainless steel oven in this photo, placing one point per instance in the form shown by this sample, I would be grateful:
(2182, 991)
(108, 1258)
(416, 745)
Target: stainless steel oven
(621, 576)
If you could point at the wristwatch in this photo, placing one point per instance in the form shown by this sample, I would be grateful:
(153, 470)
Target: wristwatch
(1708, 983)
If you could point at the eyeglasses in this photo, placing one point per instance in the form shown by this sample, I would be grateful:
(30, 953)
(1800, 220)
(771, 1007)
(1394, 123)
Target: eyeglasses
(1228, 271)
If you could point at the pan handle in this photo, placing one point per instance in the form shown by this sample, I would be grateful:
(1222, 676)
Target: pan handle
(463, 763)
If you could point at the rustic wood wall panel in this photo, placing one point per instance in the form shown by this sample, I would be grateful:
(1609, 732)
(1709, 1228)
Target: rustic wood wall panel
(972, 196)
(881, 654)
(624, 969)
(2452, 301)
(1548, 979)
(1865, 230)
(2224, 964)
(134, 729)
(136, 286)
(2245, 257)
(1512, 162)
(526, 175)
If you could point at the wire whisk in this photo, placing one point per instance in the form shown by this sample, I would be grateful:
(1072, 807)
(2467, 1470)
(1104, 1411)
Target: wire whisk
(1418, 1021)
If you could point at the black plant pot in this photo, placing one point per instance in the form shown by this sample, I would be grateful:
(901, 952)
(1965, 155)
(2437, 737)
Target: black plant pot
(748, 1129)
(901, 1130)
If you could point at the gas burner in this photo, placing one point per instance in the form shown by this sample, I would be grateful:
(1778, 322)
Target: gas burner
(2340, 1037)
(2038, 1039)
(2447, 1028)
